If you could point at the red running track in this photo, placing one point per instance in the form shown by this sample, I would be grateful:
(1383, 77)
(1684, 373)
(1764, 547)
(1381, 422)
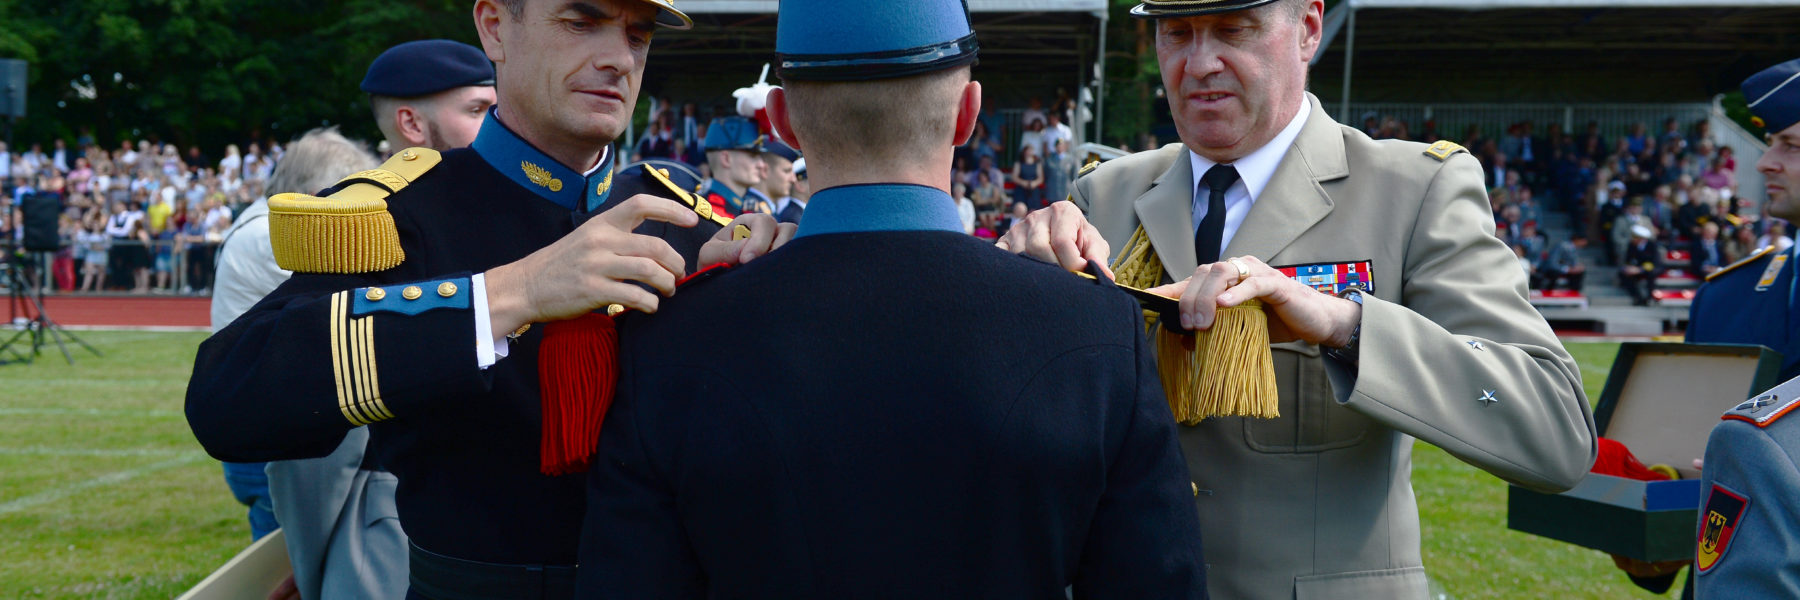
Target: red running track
(120, 311)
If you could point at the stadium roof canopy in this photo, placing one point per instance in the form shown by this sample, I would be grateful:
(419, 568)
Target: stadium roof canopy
(1551, 50)
(1028, 48)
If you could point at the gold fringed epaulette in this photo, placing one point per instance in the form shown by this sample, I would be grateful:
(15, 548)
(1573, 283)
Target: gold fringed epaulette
(1444, 149)
(349, 231)
(1226, 371)
(700, 205)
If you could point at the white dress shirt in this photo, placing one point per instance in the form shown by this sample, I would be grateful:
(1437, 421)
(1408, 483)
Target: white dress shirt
(1254, 172)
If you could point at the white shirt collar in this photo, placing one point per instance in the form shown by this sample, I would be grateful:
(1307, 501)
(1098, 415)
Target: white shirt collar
(1258, 167)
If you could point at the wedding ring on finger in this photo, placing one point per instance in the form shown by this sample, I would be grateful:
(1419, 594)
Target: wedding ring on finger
(1243, 270)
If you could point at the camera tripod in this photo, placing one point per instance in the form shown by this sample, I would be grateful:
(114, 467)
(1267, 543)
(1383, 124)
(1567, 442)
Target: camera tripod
(24, 289)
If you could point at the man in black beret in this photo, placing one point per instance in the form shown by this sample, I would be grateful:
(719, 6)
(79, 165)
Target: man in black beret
(430, 93)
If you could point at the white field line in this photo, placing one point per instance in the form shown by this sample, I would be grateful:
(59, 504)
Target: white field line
(49, 451)
(114, 478)
(90, 412)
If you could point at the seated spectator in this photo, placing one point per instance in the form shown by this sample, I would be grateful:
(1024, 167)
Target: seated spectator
(1526, 200)
(986, 165)
(1643, 263)
(1530, 240)
(1562, 265)
(1717, 176)
(1775, 236)
(1621, 228)
(1707, 254)
(989, 197)
(1689, 217)
(1741, 243)
(1028, 178)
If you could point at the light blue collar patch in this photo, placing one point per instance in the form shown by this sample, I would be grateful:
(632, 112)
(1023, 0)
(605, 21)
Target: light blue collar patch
(531, 169)
(879, 207)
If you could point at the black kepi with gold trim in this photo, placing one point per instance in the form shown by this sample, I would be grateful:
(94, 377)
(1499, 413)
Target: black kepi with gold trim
(1157, 9)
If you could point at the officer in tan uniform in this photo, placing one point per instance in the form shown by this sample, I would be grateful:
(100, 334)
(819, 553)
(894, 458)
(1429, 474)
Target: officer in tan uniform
(1424, 332)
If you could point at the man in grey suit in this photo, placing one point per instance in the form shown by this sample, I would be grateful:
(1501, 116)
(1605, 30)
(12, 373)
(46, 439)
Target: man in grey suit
(1427, 332)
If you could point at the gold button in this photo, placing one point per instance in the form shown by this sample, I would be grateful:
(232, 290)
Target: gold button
(408, 154)
(375, 294)
(412, 292)
(614, 309)
(740, 232)
(446, 289)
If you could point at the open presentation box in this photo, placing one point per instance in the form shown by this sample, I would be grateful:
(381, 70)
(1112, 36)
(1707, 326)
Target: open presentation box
(1661, 401)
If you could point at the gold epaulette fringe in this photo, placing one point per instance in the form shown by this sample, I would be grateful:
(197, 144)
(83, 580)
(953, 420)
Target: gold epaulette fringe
(350, 231)
(1225, 371)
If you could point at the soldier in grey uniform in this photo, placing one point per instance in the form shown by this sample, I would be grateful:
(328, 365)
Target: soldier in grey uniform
(1428, 334)
(1748, 523)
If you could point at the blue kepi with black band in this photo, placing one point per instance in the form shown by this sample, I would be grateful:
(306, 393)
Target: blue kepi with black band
(1773, 96)
(840, 40)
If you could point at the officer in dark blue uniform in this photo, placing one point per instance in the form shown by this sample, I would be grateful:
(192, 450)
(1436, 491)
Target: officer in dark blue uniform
(1748, 526)
(734, 156)
(914, 413)
(417, 286)
(1753, 301)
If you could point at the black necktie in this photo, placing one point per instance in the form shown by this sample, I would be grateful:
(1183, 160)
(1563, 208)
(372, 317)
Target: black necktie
(1211, 234)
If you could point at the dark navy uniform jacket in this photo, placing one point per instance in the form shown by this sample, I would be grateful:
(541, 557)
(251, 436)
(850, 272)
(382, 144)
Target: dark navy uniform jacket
(317, 358)
(1753, 302)
(912, 413)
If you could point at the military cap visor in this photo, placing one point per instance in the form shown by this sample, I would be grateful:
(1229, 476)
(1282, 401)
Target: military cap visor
(1157, 9)
(667, 16)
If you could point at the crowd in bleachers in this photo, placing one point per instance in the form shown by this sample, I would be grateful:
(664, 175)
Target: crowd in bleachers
(144, 217)
(1003, 174)
(1663, 207)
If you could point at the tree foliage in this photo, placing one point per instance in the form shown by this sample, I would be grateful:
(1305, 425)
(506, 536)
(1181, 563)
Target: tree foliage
(208, 72)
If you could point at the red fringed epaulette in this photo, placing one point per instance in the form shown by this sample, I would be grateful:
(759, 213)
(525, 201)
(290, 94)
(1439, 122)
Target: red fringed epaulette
(577, 371)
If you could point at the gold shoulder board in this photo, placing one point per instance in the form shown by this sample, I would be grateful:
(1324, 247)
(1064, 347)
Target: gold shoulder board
(1087, 168)
(1443, 150)
(698, 204)
(1746, 260)
(350, 231)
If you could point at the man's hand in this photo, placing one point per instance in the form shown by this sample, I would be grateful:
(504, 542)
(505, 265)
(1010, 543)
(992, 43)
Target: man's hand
(765, 236)
(1296, 311)
(1058, 234)
(1645, 570)
(591, 267)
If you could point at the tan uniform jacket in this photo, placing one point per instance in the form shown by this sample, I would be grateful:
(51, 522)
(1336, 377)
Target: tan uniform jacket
(1319, 503)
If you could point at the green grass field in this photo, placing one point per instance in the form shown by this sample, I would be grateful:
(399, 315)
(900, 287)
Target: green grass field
(105, 494)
